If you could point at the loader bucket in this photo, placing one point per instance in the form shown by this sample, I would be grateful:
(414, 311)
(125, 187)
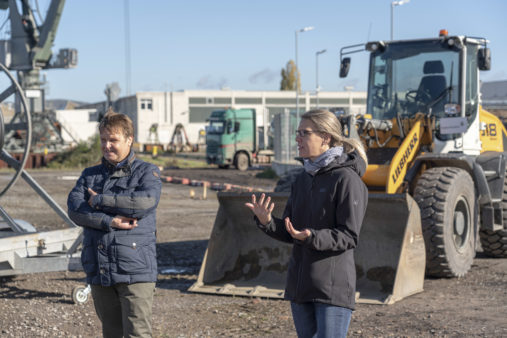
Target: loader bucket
(241, 260)
(390, 257)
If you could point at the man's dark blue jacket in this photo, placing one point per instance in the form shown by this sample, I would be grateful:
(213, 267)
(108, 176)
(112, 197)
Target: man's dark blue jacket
(112, 255)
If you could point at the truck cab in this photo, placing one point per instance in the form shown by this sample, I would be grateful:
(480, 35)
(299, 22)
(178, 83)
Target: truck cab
(231, 138)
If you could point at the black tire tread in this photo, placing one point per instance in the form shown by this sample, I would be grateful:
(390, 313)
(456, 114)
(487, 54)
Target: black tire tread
(494, 243)
(430, 194)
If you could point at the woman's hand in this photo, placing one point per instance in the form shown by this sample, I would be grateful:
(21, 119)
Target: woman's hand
(299, 235)
(262, 209)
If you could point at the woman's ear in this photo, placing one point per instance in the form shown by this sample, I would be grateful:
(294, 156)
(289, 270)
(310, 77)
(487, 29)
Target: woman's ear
(326, 139)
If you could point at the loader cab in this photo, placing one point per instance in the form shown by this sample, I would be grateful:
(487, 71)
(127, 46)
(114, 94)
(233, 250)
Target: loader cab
(437, 77)
(410, 77)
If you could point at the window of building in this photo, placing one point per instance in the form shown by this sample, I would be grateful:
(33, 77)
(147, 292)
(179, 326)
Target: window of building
(201, 114)
(333, 101)
(147, 104)
(196, 100)
(248, 100)
(286, 101)
(222, 100)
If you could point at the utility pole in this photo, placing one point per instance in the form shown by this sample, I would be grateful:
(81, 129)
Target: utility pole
(127, 48)
(302, 30)
(394, 4)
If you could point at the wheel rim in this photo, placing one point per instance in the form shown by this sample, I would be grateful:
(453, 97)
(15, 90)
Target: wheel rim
(80, 296)
(24, 118)
(461, 224)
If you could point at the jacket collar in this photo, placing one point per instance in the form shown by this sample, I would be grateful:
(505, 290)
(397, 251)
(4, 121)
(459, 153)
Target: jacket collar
(352, 160)
(123, 168)
(312, 167)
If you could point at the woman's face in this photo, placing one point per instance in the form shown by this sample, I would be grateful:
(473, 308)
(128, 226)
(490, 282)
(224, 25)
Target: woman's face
(311, 144)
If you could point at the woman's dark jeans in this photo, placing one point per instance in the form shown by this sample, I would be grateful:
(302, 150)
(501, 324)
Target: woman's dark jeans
(320, 320)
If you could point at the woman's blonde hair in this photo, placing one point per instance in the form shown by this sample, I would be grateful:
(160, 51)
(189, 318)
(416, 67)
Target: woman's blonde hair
(327, 122)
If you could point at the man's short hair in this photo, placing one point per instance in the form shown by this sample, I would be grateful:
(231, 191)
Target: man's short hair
(113, 121)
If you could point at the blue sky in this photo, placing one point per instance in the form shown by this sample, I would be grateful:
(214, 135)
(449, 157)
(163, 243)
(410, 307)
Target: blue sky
(243, 45)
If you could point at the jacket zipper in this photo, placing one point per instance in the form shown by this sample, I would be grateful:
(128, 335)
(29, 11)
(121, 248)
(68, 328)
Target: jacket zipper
(300, 269)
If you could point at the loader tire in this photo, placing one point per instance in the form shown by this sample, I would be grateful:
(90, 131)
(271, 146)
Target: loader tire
(494, 243)
(446, 197)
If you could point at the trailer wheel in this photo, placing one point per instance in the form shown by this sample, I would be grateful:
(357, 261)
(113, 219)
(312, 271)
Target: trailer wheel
(494, 243)
(446, 197)
(241, 161)
(15, 132)
(80, 294)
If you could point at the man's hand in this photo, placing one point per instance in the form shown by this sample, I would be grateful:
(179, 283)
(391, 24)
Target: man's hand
(262, 209)
(92, 195)
(299, 235)
(122, 222)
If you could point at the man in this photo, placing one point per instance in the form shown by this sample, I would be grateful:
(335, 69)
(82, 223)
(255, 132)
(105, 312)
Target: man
(115, 202)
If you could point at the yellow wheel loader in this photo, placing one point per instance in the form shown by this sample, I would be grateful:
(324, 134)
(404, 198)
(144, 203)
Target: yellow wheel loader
(436, 179)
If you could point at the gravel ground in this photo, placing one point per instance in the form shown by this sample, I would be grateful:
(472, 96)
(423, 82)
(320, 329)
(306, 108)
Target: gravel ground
(40, 305)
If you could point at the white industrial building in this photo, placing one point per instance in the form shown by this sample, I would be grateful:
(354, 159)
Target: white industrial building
(77, 125)
(192, 108)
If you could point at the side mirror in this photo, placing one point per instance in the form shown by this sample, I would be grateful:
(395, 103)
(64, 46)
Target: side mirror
(344, 67)
(236, 127)
(484, 58)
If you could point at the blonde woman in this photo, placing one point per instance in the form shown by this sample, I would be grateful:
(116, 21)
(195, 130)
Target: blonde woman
(322, 219)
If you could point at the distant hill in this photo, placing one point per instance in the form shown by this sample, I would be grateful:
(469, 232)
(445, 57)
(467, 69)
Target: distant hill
(60, 104)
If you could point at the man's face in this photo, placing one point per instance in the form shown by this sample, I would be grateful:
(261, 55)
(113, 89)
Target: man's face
(115, 147)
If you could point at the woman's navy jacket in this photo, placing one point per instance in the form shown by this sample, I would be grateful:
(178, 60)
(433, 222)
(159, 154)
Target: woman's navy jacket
(112, 255)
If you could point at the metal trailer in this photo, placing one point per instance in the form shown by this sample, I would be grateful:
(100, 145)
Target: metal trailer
(25, 250)
(22, 248)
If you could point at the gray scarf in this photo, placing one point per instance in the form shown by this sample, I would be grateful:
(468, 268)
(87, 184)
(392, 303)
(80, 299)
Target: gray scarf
(323, 160)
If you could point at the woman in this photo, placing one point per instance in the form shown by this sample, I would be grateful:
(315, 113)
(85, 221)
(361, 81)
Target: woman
(322, 219)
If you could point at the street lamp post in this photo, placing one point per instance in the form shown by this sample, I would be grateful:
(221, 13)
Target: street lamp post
(317, 87)
(394, 4)
(302, 30)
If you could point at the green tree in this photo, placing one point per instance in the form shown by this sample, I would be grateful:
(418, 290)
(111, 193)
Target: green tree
(290, 75)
